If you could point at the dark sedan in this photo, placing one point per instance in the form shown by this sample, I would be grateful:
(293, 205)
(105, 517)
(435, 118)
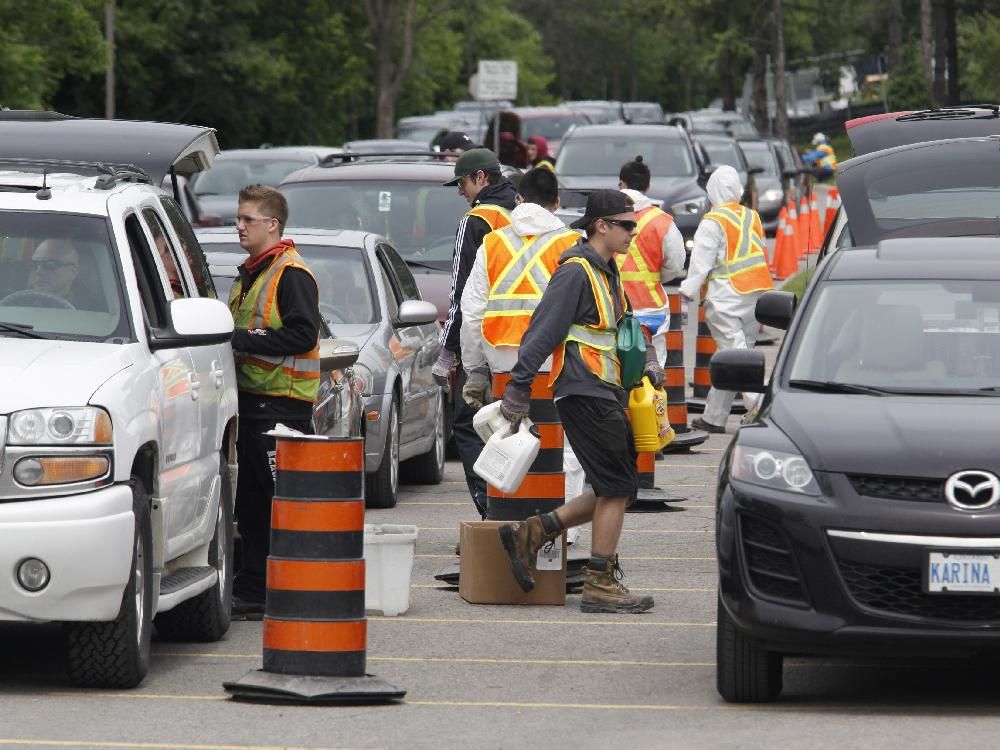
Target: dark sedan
(763, 156)
(859, 513)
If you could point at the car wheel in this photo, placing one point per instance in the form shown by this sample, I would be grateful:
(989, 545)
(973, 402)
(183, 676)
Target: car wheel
(745, 672)
(382, 485)
(205, 617)
(428, 468)
(116, 654)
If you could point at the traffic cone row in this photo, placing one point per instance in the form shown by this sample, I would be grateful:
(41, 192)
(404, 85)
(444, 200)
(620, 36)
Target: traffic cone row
(832, 205)
(785, 259)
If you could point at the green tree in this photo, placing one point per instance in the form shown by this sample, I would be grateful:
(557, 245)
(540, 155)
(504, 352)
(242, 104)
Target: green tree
(979, 45)
(908, 87)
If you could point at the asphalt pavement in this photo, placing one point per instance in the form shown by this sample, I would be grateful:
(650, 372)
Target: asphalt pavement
(517, 676)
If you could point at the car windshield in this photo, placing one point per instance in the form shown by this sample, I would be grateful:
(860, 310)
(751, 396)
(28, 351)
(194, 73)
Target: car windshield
(760, 156)
(341, 273)
(418, 218)
(644, 113)
(724, 152)
(59, 277)
(550, 127)
(604, 156)
(229, 175)
(939, 336)
(422, 133)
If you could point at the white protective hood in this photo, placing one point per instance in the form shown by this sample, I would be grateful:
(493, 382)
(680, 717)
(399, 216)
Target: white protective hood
(640, 200)
(530, 218)
(724, 186)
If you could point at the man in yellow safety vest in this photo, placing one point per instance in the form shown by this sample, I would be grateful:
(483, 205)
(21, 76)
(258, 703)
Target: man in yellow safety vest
(275, 306)
(729, 256)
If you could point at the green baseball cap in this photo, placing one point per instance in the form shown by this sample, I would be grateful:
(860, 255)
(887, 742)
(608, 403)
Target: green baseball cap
(471, 162)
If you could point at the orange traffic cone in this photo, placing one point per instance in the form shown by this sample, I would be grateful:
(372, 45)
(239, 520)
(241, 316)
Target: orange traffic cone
(815, 230)
(786, 255)
(779, 239)
(832, 204)
(802, 230)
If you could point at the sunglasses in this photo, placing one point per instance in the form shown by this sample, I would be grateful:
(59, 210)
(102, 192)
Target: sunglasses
(628, 226)
(50, 265)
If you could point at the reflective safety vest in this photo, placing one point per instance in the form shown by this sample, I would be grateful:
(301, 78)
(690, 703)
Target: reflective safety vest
(497, 217)
(595, 341)
(640, 266)
(519, 269)
(828, 159)
(294, 376)
(746, 264)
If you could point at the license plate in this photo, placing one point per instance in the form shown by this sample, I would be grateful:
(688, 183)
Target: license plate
(960, 572)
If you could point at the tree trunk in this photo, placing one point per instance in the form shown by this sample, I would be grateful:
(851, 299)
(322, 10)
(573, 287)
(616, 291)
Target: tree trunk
(895, 34)
(780, 98)
(758, 97)
(383, 23)
(927, 45)
(954, 89)
(940, 52)
(470, 61)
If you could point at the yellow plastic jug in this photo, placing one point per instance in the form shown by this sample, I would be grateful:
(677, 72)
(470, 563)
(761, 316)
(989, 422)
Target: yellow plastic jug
(647, 411)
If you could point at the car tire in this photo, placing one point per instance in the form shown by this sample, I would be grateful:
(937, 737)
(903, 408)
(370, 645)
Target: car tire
(205, 617)
(428, 468)
(116, 654)
(381, 485)
(745, 672)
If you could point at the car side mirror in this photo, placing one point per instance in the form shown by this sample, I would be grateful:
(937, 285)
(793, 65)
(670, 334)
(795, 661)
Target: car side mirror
(416, 312)
(739, 370)
(775, 309)
(336, 354)
(790, 174)
(195, 321)
(755, 170)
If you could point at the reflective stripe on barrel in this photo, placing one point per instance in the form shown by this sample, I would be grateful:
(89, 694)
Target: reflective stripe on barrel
(704, 349)
(673, 368)
(314, 622)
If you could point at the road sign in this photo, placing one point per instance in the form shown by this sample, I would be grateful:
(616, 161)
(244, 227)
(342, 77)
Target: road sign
(496, 79)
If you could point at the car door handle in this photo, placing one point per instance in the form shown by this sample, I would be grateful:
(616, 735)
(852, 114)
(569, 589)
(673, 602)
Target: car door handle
(218, 373)
(194, 385)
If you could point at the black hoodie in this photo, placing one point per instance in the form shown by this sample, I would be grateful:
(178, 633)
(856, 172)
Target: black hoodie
(471, 231)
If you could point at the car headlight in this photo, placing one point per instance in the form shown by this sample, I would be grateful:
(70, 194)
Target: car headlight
(82, 425)
(774, 194)
(364, 381)
(775, 469)
(695, 205)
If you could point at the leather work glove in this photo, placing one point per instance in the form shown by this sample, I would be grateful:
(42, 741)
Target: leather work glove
(514, 406)
(477, 391)
(654, 371)
(447, 361)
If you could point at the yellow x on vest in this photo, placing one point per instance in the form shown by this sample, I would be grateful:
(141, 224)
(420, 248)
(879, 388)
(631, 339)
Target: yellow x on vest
(746, 264)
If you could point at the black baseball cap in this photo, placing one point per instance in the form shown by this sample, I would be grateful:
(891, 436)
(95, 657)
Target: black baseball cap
(472, 161)
(455, 140)
(600, 204)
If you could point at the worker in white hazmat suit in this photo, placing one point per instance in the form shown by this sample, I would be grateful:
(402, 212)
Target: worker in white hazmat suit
(729, 263)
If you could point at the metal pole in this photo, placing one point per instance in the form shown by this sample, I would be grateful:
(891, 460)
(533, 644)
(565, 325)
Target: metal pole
(496, 131)
(109, 71)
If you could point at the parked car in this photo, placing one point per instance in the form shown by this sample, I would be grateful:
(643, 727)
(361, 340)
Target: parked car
(552, 123)
(599, 111)
(218, 188)
(380, 147)
(724, 149)
(368, 296)
(845, 524)
(711, 120)
(339, 410)
(429, 129)
(189, 203)
(593, 155)
(643, 113)
(763, 156)
(321, 152)
(118, 413)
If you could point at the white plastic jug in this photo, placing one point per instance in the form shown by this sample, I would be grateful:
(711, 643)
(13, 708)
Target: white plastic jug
(507, 456)
(489, 420)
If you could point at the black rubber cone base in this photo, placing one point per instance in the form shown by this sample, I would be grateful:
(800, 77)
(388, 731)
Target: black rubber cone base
(654, 500)
(684, 441)
(448, 575)
(696, 404)
(271, 687)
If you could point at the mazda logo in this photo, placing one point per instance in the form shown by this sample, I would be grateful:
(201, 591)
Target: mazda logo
(972, 490)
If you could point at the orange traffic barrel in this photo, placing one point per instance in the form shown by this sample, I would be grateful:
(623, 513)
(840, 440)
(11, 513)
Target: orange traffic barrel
(544, 487)
(673, 369)
(315, 630)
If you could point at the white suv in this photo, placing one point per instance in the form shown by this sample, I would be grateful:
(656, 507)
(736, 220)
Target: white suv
(118, 406)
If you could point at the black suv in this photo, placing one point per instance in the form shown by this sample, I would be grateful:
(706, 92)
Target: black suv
(859, 512)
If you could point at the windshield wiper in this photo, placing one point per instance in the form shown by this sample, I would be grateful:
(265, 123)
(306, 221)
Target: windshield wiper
(832, 386)
(418, 264)
(22, 328)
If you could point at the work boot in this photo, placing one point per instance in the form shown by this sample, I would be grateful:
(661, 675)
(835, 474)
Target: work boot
(604, 592)
(522, 540)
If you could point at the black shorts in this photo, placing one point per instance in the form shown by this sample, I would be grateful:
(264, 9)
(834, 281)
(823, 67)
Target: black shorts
(601, 437)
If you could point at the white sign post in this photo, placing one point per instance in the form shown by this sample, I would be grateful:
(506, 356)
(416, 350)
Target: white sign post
(496, 79)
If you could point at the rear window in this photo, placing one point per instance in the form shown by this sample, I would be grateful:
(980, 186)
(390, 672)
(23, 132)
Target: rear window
(228, 176)
(552, 127)
(724, 152)
(760, 157)
(604, 157)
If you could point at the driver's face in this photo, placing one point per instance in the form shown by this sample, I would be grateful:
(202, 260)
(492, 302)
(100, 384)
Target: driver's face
(54, 269)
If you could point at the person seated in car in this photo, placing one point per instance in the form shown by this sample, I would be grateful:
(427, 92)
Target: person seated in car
(55, 265)
(173, 276)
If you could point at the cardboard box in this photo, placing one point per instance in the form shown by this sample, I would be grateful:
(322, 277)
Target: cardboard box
(484, 571)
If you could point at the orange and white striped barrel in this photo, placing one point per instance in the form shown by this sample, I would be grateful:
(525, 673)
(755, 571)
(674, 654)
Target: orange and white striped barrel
(704, 349)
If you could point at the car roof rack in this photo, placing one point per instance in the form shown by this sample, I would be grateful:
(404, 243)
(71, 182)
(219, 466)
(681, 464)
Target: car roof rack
(335, 160)
(966, 112)
(108, 174)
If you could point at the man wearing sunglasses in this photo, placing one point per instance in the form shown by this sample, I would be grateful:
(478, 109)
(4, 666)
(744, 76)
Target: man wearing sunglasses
(576, 323)
(55, 265)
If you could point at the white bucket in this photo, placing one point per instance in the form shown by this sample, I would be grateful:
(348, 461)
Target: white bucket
(506, 457)
(388, 551)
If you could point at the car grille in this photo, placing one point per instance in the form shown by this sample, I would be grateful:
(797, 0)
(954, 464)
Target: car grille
(898, 591)
(898, 488)
(768, 560)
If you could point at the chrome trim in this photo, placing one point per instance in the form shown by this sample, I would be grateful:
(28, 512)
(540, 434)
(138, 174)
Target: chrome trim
(3, 439)
(928, 541)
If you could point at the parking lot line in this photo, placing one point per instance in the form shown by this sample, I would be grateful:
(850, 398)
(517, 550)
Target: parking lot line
(630, 531)
(442, 586)
(510, 621)
(146, 745)
(631, 558)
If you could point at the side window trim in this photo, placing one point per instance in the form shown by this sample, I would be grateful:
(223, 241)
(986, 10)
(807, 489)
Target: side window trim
(154, 301)
(150, 217)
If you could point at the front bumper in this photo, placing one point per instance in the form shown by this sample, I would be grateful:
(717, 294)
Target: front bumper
(805, 574)
(85, 540)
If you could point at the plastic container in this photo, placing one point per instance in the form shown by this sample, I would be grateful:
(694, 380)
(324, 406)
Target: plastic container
(647, 411)
(388, 552)
(489, 420)
(507, 456)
